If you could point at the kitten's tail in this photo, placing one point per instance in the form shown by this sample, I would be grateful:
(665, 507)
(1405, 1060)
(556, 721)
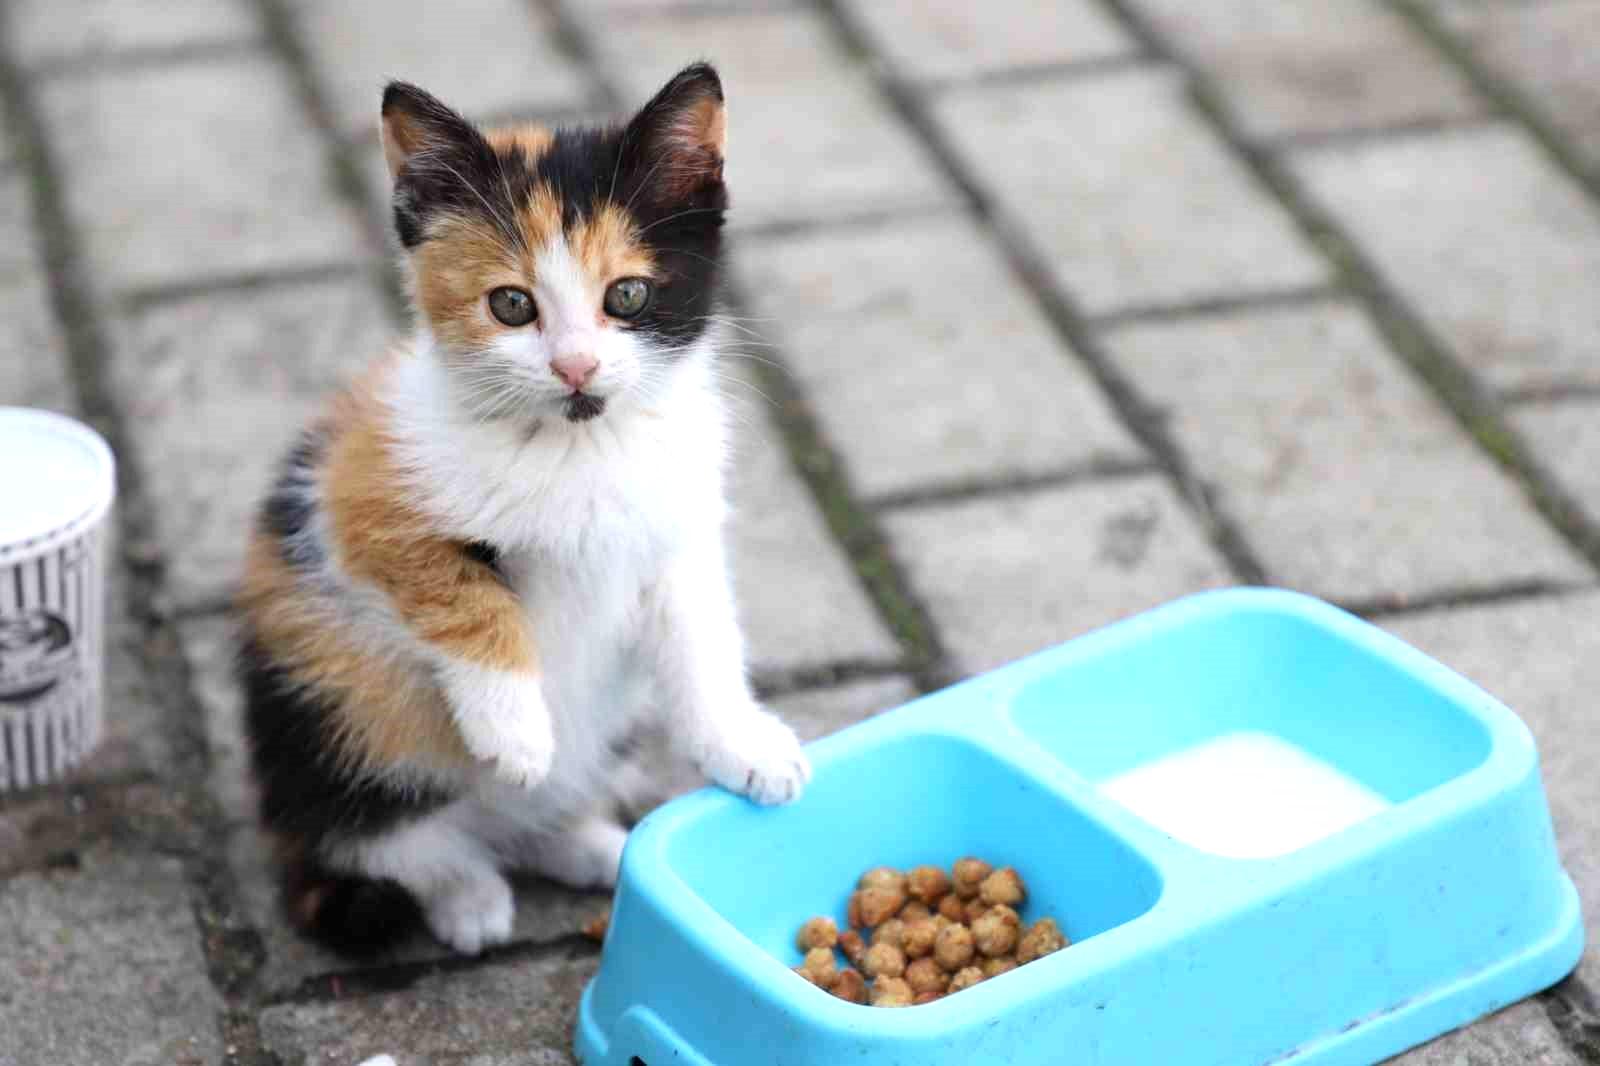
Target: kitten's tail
(353, 915)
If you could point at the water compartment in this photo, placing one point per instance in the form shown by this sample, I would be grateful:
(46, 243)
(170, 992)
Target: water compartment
(1254, 734)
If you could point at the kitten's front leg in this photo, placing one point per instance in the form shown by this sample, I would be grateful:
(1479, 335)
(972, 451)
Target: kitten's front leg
(475, 630)
(700, 678)
(502, 718)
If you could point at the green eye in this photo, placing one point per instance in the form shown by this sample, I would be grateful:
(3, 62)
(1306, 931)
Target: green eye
(626, 298)
(514, 307)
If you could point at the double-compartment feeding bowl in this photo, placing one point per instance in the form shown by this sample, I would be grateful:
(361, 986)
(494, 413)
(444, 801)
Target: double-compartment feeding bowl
(1272, 832)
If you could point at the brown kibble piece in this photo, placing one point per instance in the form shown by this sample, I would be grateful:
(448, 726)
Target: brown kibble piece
(964, 979)
(884, 960)
(817, 933)
(996, 932)
(927, 883)
(953, 947)
(926, 997)
(822, 967)
(852, 911)
(924, 975)
(595, 928)
(973, 909)
(883, 877)
(891, 992)
(952, 909)
(1003, 886)
(892, 931)
(1041, 939)
(914, 911)
(918, 938)
(852, 945)
(878, 905)
(996, 967)
(850, 986)
(969, 875)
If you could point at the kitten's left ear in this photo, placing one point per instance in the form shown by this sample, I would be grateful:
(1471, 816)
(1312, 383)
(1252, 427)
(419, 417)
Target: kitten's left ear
(681, 134)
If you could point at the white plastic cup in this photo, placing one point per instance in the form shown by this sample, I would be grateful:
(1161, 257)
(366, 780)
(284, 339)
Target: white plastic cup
(57, 484)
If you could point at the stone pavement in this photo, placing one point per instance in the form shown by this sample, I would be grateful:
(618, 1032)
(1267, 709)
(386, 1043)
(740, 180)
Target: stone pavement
(1059, 309)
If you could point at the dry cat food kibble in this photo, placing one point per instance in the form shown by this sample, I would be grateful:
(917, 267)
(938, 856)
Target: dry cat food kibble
(915, 937)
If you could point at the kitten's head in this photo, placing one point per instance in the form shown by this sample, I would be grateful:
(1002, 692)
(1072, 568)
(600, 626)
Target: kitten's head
(561, 270)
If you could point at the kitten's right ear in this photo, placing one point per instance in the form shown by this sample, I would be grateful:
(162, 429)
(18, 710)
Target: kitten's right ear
(415, 121)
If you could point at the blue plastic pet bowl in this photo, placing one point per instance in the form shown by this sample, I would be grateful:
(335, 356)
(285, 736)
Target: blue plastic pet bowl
(1271, 831)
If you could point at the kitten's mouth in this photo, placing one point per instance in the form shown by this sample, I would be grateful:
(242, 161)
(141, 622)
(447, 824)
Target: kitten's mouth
(581, 407)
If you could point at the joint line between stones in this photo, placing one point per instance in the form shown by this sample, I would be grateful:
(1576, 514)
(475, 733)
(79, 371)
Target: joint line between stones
(1428, 358)
(213, 893)
(1059, 308)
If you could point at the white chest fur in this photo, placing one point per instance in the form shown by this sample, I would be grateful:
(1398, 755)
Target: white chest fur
(586, 517)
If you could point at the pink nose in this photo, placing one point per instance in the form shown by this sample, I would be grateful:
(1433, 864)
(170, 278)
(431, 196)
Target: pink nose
(575, 370)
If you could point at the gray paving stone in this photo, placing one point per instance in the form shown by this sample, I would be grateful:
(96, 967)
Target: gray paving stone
(103, 965)
(1491, 245)
(519, 1014)
(214, 389)
(186, 172)
(45, 31)
(1148, 209)
(1549, 51)
(800, 602)
(938, 41)
(1566, 437)
(1517, 1036)
(1542, 658)
(818, 712)
(137, 736)
(544, 911)
(52, 829)
(1345, 474)
(808, 137)
(482, 57)
(1010, 575)
(1287, 69)
(34, 371)
(917, 382)
(19, 252)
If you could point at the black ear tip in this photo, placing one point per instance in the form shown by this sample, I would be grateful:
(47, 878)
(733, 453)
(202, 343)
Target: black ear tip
(700, 76)
(404, 96)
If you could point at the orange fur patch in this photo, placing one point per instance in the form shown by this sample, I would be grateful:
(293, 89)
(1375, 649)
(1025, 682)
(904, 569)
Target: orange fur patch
(445, 596)
(534, 140)
(606, 246)
(384, 709)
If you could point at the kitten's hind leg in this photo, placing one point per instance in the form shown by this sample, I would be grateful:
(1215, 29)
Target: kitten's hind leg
(465, 900)
(581, 854)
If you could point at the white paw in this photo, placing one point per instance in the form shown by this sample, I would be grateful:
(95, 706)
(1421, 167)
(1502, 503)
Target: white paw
(757, 755)
(472, 915)
(503, 721)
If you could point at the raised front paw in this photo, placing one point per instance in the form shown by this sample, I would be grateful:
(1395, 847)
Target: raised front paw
(504, 722)
(757, 755)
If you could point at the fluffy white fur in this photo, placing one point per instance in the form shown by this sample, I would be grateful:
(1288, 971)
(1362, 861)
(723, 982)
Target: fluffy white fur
(611, 531)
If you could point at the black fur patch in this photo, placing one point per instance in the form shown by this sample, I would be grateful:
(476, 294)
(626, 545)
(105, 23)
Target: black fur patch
(357, 916)
(304, 793)
(487, 554)
(287, 511)
(585, 168)
(581, 407)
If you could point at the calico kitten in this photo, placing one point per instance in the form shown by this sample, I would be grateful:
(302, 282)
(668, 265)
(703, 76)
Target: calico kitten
(500, 552)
